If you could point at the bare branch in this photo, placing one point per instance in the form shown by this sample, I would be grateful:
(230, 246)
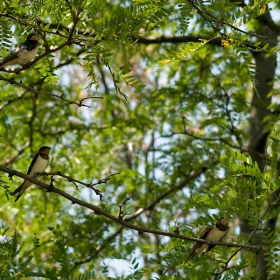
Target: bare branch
(192, 175)
(102, 212)
(121, 214)
(79, 104)
(74, 181)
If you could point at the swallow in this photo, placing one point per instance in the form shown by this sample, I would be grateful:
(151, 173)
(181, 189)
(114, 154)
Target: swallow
(210, 233)
(24, 53)
(38, 164)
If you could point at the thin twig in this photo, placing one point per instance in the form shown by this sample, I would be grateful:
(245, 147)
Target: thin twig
(79, 104)
(204, 11)
(121, 214)
(74, 181)
(247, 242)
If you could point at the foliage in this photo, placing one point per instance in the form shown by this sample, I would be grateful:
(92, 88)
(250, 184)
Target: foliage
(162, 92)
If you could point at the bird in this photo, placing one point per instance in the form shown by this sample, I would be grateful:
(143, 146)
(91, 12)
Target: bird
(24, 53)
(38, 164)
(210, 233)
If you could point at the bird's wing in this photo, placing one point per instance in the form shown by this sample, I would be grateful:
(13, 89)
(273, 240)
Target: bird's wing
(17, 190)
(28, 172)
(197, 245)
(11, 58)
(204, 232)
(32, 163)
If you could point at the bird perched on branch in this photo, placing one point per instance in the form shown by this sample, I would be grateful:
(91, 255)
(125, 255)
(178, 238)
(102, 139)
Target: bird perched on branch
(38, 164)
(210, 233)
(24, 53)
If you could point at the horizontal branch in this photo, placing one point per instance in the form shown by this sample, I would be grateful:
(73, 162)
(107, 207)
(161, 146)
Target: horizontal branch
(218, 139)
(102, 212)
(149, 40)
(216, 41)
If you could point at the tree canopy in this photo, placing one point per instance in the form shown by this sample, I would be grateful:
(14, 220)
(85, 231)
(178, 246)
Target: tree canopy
(163, 117)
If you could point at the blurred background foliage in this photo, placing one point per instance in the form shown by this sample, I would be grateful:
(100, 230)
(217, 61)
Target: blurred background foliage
(162, 92)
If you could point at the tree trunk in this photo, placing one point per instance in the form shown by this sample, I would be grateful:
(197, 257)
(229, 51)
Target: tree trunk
(264, 77)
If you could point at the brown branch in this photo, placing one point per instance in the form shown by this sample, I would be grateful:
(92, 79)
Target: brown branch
(222, 140)
(103, 78)
(203, 11)
(149, 40)
(79, 104)
(213, 40)
(216, 41)
(17, 20)
(102, 212)
(43, 35)
(42, 55)
(75, 18)
(121, 213)
(74, 181)
(191, 176)
(69, 60)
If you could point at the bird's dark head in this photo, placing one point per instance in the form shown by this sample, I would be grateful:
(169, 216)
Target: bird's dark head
(45, 150)
(222, 223)
(33, 37)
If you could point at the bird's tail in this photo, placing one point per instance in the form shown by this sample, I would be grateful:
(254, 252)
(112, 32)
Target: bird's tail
(9, 60)
(189, 257)
(21, 189)
(19, 195)
(17, 190)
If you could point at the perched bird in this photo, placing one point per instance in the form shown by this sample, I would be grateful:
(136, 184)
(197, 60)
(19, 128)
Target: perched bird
(24, 53)
(210, 233)
(38, 164)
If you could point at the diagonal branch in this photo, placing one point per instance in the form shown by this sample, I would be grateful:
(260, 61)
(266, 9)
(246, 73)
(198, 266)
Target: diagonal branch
(42, 55)
(102, 212)
(210, 17)
(225, 267)
(194, 174)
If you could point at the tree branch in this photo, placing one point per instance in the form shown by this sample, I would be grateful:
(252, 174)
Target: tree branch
(79, 104)
(90, 186)
(203, 11)
(194, 174)
(102, 212)
(225, 267)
